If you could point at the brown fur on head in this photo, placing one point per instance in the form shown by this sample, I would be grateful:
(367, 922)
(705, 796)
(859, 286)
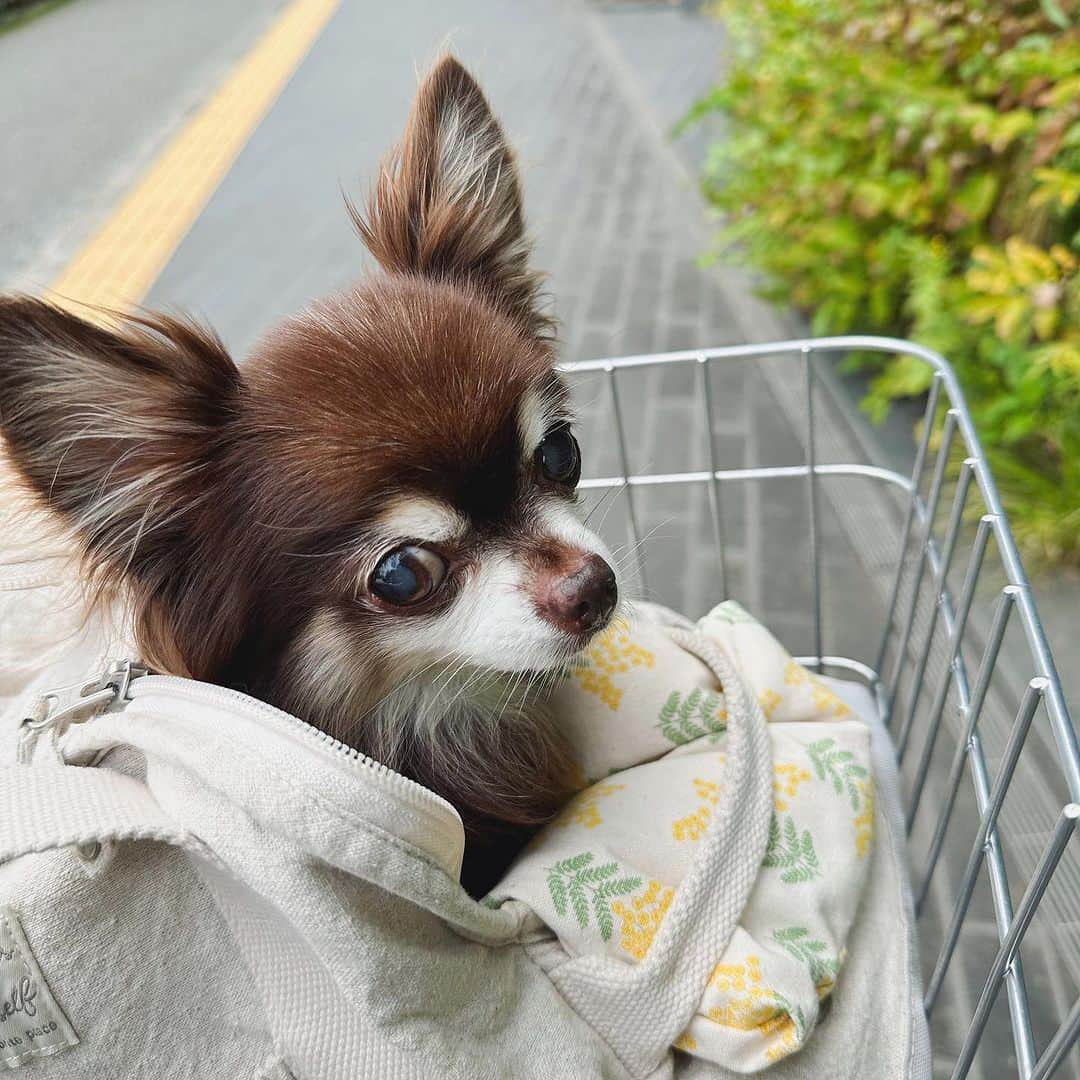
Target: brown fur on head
(371, 523)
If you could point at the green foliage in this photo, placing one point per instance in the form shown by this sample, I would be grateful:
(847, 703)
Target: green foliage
(913, 167)
(17, 14)
(576, 885)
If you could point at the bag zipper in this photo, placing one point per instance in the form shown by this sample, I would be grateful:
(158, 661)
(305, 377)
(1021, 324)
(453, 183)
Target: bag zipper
(416, 794)
(80, 700)
(88, 697)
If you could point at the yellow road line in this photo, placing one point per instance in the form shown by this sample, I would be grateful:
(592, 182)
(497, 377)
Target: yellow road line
(123, 259)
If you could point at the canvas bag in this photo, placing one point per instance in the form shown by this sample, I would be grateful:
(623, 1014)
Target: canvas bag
(260, 905)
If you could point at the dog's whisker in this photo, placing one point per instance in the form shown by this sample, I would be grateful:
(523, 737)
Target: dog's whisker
(606, 499)
(610, 506)
(338, 553)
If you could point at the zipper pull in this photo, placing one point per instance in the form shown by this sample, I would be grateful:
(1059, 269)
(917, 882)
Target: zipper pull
(98, 695)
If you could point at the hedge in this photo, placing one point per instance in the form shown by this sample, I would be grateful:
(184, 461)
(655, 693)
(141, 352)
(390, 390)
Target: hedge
(914, 168)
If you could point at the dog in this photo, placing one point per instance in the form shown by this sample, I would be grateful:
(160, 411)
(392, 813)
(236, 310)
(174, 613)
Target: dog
(372, 522)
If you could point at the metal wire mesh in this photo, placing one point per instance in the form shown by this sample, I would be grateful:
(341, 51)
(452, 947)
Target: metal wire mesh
(923, 564)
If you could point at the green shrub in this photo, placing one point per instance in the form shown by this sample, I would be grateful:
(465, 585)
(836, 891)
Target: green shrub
(913, 167)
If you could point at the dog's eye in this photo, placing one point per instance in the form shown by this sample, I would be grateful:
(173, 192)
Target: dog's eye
(559, 457)
(408, 575)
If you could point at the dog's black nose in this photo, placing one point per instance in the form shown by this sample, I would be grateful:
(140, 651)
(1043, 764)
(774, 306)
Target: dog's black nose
(582, 602)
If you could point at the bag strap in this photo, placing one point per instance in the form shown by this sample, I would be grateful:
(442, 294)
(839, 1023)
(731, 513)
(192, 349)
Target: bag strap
(640, 1009)
(44, 807)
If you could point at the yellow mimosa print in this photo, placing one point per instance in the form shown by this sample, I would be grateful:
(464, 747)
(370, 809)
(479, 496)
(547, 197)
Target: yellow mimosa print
(827, 702)
(693, 826)
(613, 653)
(754, 1006)
(795, 674)
(768, 700)
(864, 822)
(583, 809)
(787, 778)
(641, 918)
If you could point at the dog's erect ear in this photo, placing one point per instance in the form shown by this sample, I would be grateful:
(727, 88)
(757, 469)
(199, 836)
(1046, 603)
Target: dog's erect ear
(119, 432)
(448, 201)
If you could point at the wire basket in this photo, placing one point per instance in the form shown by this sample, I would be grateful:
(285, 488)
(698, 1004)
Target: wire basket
(910, 583)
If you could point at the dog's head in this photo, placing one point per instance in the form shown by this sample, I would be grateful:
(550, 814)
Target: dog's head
(385, 488)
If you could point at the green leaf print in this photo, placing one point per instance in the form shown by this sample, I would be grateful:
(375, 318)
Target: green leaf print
(839, 766)
(604, 922)
(792, 852)
(587, 890)
(598, 873)
(580, 902)
(684, 719)
(809, 951)
(557, 888)
(798, 1017)
(731, 612)
(575, 862)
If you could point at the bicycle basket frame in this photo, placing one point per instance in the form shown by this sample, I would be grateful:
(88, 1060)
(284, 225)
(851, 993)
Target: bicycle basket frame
(942, 671)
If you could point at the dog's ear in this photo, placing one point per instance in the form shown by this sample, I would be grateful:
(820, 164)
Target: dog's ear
(119, 432)
(448, 200)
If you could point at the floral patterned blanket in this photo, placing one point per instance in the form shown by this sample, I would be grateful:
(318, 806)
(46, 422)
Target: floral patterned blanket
(649, 724)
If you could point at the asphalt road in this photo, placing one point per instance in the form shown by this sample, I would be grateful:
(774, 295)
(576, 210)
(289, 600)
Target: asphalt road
(89, 93)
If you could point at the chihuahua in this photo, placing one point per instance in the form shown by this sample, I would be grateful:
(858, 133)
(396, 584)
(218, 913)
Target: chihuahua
(371, 522)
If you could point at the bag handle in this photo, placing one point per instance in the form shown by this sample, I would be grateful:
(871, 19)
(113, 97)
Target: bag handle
(641, 1009)
(43, 807)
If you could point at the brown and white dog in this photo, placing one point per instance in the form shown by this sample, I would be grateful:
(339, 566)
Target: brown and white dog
(371, 524)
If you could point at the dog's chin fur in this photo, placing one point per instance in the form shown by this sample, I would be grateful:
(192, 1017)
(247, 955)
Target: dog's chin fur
(240, 513)
(487, 743)
(487, 735)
